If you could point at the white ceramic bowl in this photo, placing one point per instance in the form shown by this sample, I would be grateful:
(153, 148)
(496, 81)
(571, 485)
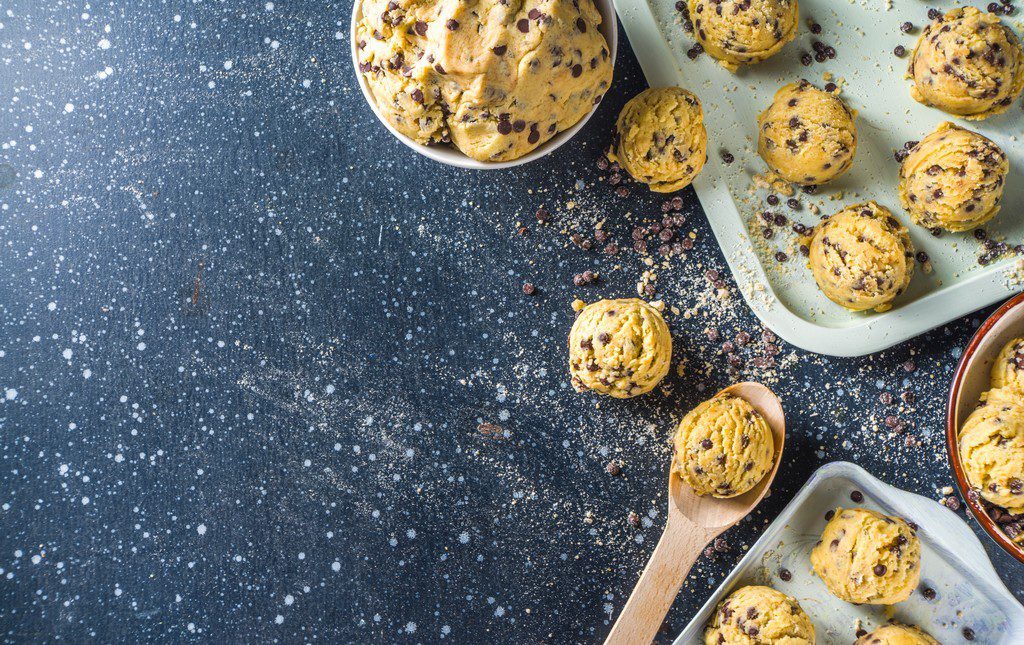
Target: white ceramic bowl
(451, 155)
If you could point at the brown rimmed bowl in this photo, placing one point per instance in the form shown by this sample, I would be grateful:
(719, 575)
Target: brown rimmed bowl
(970, 380)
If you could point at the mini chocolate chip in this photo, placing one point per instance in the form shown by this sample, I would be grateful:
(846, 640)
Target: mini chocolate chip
(613, 468)
(452, 24)
(785, 575)
(857, 496)
(879, 569)
(529, 288)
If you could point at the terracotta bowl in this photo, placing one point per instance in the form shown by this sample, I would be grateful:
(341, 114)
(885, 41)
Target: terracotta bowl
(969, 381)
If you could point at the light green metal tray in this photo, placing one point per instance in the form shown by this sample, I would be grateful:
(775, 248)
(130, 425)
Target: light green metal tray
(783, 294)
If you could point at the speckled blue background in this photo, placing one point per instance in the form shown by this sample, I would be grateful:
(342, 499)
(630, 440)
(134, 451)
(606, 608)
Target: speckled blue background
(247, 340)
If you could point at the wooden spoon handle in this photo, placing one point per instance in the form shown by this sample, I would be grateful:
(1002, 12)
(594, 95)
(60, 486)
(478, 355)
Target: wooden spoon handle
(679, 547)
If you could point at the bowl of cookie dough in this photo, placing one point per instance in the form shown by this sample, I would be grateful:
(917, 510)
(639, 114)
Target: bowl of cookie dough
(985, 426)
(483, 86)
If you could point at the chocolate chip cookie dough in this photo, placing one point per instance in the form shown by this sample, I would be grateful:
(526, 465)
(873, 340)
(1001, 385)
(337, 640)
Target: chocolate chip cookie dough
(967, 63)
(660, 138)
(741, 32)
(754, 615)
(953, 179)
(723, 447)
(897, 634)
(862, 257)
(1008, 370)
(869, 558)
(806, 135)
(495, 78)
(991, 444)
(621, 348)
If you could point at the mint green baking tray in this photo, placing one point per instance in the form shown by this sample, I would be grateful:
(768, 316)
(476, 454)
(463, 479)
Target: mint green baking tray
(783, 294)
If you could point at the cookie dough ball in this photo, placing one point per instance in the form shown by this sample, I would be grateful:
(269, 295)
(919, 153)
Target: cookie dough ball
(660, 138)
(953, 179)
(495, 78)
(741, 32)
(621, 348)
(756, 615)
(806, 135)
(1008, 370)
(862, 257)
(967, 63)
(868, 558)
(723, 447)
(896, 634)
(991, 443)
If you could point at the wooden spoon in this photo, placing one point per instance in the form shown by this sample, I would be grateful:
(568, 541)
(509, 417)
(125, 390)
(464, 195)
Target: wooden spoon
(693, 522)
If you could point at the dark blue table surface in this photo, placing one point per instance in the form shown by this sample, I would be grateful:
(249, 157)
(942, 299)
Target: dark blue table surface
(250, 346)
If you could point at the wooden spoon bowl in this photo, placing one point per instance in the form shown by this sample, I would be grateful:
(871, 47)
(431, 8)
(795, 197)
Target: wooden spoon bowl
(693, 522)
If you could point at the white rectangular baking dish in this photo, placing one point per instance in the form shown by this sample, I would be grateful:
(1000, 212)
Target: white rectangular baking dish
(783, 295)
(953, 563)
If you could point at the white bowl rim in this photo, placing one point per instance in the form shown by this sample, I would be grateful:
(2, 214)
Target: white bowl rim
(450, 155)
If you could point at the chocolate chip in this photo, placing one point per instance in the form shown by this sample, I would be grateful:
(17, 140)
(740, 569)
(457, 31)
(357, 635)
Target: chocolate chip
(899, 51)
(968, 633)
(879, 569)
(785, 575)
(951, 503)
(523, 25)
(529, 288)
(829, 515)
(857, 496)
(928, 593)
(907, 27)
(706, 444)
(613, 468)
(727, 157)
(452, 25)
